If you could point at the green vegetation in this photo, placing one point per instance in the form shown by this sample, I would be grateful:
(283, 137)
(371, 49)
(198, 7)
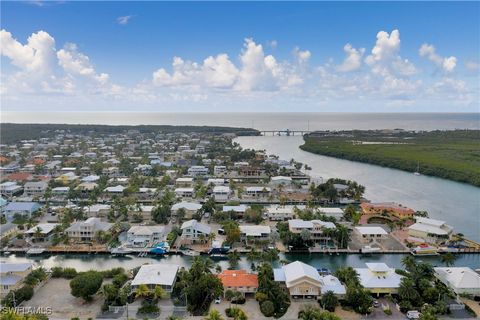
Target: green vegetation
(270, 293)
(453, 155)
(198, 286)
(86, 284)
(313, 313)
(357, 297)
(14, 132)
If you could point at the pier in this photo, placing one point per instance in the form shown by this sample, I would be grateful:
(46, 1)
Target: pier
(284, 132)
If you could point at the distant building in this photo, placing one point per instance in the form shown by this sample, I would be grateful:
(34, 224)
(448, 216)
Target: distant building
(41, 232)
(185, 192)
(281, 180)
(281, 213)
(190, 208)
(197, 171)
(371, 234)
(221, 193)
(219, 170)
(258, 191)
(316, 228)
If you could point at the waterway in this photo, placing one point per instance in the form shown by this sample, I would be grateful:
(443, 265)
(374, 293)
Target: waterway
(456, 203)
(318, 260)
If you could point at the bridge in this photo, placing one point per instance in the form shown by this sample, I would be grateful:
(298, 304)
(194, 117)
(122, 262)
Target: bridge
(284, 132)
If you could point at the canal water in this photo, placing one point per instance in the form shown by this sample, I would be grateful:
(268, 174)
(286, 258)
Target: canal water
(318, 260)
(456, 203)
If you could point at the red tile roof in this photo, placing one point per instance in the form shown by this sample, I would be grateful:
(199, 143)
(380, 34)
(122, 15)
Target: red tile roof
(238, 278)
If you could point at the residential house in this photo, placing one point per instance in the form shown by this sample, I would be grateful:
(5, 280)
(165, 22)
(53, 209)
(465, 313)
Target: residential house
(281, 213)
(336, 213)
(116, 190)
(144, 211)
(216, 182)
(392, 208)
(316, 228)
(152, 275)
(193, 230)
(190, 208)
(10, 189)
(300, 279)
(379, 278)
(185, 192)
(255, 232)
(430, 230)
(239, 281)
(41, 232)
(281, 180)
(196, 171)
(87, 230)
(331, 283)
(7, 229)
(21, 208)
(97, 210)
(461, 280)
(35, 189)
(238, 210)
(12, 276)
(370, 234)
(184, 182)
(221, 193)
(219, 170)
(145, 236)
(257, 191)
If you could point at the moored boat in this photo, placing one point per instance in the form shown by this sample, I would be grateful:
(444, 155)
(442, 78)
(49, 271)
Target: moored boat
(424, 250)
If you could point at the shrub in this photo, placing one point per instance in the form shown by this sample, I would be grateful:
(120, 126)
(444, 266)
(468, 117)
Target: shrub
(86, 284)
(69, 273)
(388, 312)
(148, 307)
(57, 272)
(119, 280)
(267, 308)
(260, 297)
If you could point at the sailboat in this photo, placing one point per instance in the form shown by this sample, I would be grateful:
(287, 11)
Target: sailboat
(417, 172)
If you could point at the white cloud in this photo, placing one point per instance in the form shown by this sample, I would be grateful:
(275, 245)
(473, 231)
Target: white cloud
(35, 56)
(76, 63)
(386, 47)
(124, 20)
(447, 64)
(472, 65)
(353, 59)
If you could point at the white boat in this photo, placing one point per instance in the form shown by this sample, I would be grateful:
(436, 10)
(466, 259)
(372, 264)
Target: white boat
(190, 253)
(424, 250)
(34, 251)
(121, 251)
(369, 249)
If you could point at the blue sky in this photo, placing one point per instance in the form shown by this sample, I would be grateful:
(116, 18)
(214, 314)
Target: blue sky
(266, 56)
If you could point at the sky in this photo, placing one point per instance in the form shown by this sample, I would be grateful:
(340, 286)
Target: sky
(240, 56)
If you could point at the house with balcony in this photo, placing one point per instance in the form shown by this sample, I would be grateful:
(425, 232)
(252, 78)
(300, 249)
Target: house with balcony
(193, 231)
(255, 232)
(300, 279)
(35, 189)
(239, 281)
(145, 236)
(430, 231)
(12, 276)
(152, 275)
(87, 230)
(379, 278)
(316, 228)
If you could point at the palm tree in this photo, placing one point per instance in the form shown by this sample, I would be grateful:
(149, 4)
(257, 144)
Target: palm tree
(142, 291)
(159, 292)
(407, 289)
(211, 236)
(448, 259)
(229, 295)
(233, 258)
(202, 238)
(329, 301)
(214, 315)
(310, 313)
(38, 233)
(409, 262)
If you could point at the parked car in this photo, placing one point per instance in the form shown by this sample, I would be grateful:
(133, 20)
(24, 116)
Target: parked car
(218, 300)
(376, 304)
(413, 314)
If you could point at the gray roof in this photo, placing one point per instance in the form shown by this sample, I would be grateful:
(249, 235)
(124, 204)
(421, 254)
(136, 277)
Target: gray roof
(14, 267)
(197, 226)
(22, 206)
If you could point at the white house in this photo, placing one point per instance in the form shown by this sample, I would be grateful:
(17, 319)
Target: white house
(257, 191)
(152, 275)
(379, 278)
(316, 228)
(185, 192)
(197, 171)
(115, 190)
(430, 230)
(336, 213)
(97, 210)
(280, 213)
(145, 236)
(239, 210)
(221, 193)
(459, 279)
(184, 182)
(12, 276)
(301, 280)
(42, 231)
(371, 233)
(10, 188)
(190, 208)
(216, 182)
(331, 283)
(255, 232)
(192, 229)
(87, 230)
(219, 170)
(35, 189)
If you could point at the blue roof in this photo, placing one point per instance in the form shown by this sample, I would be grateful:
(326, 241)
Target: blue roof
(22, 206)
(2, 202)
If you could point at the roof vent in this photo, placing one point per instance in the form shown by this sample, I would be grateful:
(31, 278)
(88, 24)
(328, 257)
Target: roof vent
(234, 274)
